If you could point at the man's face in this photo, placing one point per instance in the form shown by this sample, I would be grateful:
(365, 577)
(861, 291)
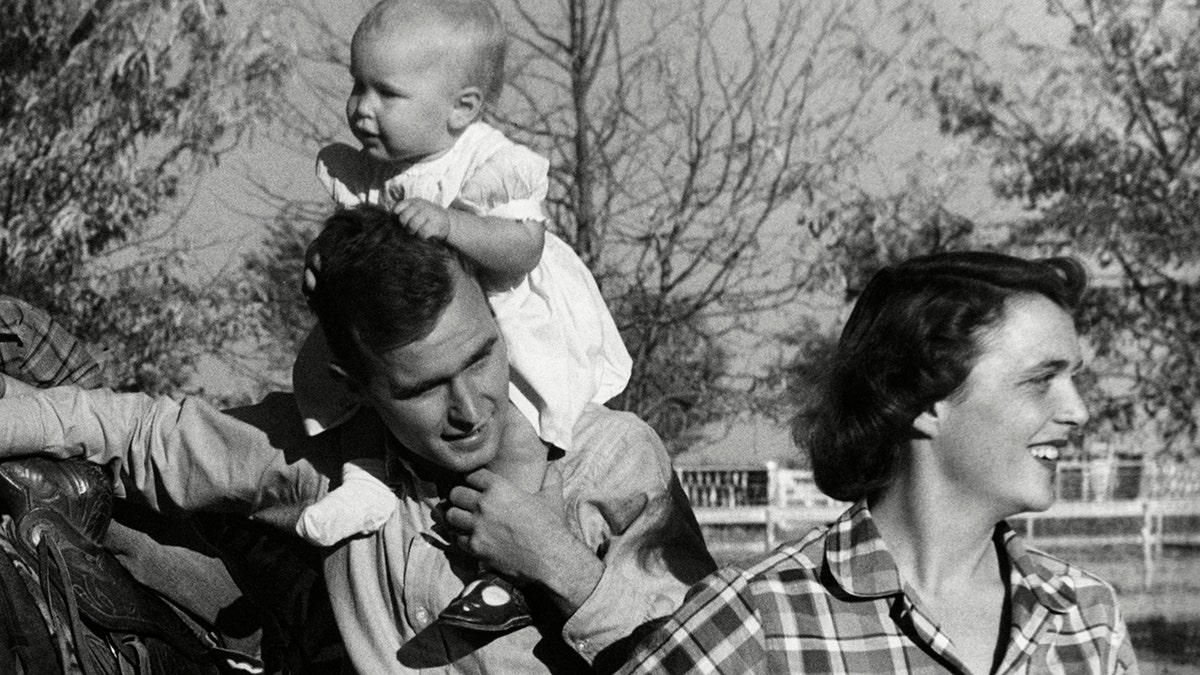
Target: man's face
(445, 396)
(1000, 436)
(403, 95)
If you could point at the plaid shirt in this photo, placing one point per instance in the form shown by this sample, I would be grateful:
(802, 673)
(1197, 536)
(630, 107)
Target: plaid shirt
(40, 352)
(833, 602)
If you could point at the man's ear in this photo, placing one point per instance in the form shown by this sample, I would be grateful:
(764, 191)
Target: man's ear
(928, 423)
(468, 108)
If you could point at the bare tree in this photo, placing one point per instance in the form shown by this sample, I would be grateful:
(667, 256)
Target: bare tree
(686, 139)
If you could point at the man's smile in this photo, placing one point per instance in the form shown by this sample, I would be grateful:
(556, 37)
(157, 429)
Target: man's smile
(468, 441)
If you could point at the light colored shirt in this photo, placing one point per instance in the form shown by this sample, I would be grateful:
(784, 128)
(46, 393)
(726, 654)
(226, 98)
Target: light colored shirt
(834, 602)
(387, 588)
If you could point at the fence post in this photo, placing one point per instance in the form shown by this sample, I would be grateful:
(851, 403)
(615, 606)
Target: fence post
(1147, 545)
(1160, 533)
(772, 498)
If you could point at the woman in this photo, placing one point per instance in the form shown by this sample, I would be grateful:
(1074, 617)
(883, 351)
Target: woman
(949, 400)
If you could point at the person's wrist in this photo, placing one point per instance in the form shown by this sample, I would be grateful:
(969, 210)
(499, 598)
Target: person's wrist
(570, 571)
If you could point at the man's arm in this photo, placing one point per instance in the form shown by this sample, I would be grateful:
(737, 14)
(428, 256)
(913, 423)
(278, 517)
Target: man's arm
(632, 511)
(173, 455)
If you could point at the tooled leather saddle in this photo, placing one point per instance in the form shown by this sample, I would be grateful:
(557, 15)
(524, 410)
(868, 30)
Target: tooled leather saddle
(66, 604)
(106, 620)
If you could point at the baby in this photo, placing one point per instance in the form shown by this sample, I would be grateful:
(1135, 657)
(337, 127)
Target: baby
(424, 71)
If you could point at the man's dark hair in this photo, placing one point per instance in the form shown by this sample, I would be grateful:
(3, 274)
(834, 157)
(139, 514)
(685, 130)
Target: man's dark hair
(374, 285)
(911, 340)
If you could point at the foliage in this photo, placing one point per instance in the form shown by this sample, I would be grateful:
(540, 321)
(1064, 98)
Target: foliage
(800, 380)
(867, 232)
(860, 235)
(272, 291)
(107, 108)
(1100, 141)
(677, 370)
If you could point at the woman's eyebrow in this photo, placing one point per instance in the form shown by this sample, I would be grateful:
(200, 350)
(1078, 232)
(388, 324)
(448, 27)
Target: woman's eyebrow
(1053, 366)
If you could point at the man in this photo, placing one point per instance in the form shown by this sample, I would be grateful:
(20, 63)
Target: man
(950, 398)
(608, 544)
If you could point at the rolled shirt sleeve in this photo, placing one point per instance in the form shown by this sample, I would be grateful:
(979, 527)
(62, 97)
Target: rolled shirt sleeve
(628, 507)
(170, 455)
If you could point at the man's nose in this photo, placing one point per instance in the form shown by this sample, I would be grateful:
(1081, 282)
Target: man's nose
(465, 407)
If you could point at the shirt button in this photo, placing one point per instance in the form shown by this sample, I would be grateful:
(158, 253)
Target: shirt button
(422, 615)
(583, 646)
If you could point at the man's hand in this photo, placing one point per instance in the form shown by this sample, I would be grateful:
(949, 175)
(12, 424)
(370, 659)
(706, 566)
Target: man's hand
(426, 219)
(506, 527)
(524, 536)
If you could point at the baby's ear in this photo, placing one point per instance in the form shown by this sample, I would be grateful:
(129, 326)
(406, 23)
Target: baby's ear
(468, 108)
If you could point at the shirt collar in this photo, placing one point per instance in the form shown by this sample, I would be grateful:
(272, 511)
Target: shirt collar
(1055, 592)
(858, 559)
(856, 556)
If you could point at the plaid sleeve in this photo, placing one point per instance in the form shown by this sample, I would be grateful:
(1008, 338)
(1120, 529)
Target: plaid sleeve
(716, 631)
(37, 350)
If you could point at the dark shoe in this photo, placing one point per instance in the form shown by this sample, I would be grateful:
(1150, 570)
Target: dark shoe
(490, 603)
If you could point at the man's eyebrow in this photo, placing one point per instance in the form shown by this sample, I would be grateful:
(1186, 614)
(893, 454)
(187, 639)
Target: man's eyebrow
(478, 355)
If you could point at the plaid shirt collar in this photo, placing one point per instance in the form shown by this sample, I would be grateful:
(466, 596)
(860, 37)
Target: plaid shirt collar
(858, 560)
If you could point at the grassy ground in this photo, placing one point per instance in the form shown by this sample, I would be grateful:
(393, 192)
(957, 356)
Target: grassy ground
(1164, 619)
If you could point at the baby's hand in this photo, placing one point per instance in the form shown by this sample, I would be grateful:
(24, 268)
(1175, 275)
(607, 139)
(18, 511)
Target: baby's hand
(426, 219)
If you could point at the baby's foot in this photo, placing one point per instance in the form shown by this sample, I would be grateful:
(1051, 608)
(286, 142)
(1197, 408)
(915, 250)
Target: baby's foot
(361, 505)
(490, 603)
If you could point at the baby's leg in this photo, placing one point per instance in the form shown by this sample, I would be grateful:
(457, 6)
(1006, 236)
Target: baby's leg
(360, 505)
(522, 457)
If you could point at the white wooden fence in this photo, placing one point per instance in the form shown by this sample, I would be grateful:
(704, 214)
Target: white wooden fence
(1147, 493)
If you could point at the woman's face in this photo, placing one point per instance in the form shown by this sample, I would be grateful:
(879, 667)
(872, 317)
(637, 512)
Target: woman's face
(999, 436)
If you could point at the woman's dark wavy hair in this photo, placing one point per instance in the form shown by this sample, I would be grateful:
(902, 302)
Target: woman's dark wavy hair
(911, 340)
(374, 285)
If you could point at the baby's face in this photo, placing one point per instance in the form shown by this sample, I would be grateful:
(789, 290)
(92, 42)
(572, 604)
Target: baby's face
(403, 95)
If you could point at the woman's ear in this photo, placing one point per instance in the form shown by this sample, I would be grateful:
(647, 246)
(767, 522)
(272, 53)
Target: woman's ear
(467, 108)
(928, 423)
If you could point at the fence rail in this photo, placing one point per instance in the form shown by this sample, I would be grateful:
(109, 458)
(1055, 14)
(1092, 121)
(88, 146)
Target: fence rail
(1075, 481)
(1145, 493)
